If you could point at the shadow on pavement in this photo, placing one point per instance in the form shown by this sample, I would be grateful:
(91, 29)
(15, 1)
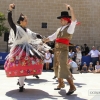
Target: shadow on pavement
(36, 94)
(71, 97)
(79, 85)
(29, 94)
(36, 81)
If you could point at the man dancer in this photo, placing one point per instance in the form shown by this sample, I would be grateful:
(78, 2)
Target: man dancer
(62, 37)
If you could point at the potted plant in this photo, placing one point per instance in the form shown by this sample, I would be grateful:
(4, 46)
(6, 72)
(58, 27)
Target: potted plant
(3, 28)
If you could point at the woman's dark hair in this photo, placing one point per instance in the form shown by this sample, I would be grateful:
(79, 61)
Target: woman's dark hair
(21, 18)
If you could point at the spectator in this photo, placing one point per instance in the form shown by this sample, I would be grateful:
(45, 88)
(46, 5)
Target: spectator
(52, 57)
(97, 67)
(73, 66)
(91, 68)
(82, 50)
(78, 56)
(48, 59)
(71, 54)
(84, 68)
(94, 55)
(86, 49)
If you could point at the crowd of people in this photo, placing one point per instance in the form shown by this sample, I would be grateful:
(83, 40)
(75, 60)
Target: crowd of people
(91, 68)
(75, 59)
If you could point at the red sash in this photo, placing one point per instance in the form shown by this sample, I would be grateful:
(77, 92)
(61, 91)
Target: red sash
(63, 41)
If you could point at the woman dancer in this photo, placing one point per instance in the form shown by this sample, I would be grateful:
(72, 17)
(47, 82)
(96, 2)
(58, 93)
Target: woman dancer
(23, 59)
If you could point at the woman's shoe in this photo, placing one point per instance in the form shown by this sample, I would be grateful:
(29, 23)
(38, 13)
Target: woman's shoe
(37, 77)
(21, 89)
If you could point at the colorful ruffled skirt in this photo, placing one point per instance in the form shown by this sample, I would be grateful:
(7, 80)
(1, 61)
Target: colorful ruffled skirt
(20, 63)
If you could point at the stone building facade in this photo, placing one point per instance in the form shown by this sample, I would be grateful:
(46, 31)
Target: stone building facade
(46, 11)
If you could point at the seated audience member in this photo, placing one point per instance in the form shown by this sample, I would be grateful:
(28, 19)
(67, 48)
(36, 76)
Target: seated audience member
(97, 67)
(91, 68)
(73, 66)
(84, 68)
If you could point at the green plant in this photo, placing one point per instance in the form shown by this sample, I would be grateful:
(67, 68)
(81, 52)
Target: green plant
(3, 28)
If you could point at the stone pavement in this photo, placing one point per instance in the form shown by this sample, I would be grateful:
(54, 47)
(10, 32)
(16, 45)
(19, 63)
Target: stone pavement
(43, 88)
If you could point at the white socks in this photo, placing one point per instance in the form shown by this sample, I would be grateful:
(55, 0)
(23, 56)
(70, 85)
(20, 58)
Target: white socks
(21, 81)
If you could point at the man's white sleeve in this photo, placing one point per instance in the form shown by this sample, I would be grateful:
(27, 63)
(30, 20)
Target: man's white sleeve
(71, 28)
(89, 53)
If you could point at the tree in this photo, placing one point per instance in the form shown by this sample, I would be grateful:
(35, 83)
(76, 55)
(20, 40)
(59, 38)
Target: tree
(3, 28)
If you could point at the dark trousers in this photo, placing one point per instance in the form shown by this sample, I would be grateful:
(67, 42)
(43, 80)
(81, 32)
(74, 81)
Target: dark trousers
(94, 60)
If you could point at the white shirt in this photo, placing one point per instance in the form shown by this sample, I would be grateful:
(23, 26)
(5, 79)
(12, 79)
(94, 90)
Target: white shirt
(97, 66)
(70, 30)
(48, 58)
(73, 64)
(71, 54)
(52, 55)
(47, 55)
(79, 55)
(94, 53)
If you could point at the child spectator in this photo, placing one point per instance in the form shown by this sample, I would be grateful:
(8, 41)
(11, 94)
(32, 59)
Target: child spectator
(84, 68)
(91, 68)
(97, 67)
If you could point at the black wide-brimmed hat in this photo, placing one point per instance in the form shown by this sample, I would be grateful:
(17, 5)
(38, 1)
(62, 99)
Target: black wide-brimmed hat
(64, 14)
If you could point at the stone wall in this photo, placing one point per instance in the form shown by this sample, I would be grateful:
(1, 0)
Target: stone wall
(38, 11)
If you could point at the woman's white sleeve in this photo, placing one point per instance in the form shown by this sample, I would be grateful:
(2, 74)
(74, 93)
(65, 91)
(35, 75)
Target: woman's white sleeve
(32, 34)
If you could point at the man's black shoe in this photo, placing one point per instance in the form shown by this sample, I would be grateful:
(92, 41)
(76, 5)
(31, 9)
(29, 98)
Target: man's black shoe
(54, 77)
(70, 92)
(56, 88)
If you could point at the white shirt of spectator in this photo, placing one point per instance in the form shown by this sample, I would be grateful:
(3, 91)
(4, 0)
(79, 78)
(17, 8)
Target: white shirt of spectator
(94, 53)
(48, 58)
(71, 54)
(70, 30)
(52, 55)
(73, 64)
(97, 66)
(79, 55)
